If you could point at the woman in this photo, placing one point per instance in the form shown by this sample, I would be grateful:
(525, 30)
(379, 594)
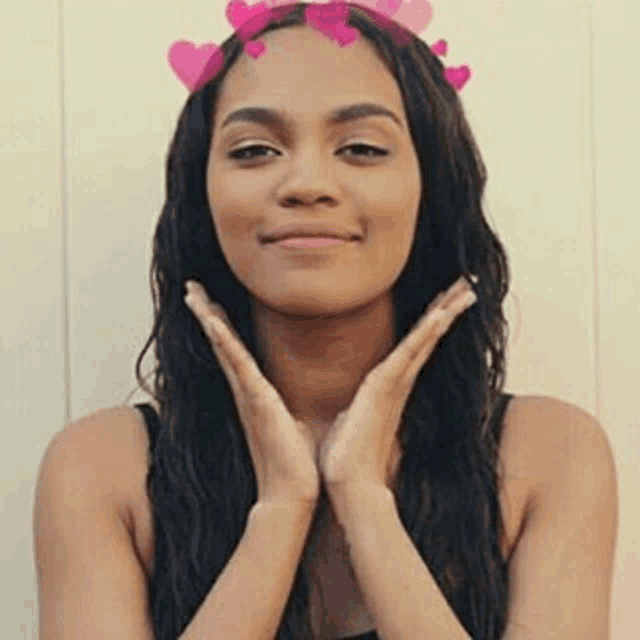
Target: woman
(404, 192)
(317, 321)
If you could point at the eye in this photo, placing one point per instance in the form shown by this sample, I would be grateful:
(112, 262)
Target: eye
(238, 153)
(377, 152)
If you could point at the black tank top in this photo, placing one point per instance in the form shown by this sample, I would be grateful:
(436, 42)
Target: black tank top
(153, 426)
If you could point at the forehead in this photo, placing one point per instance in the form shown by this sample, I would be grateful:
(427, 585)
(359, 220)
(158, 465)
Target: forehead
(305, 73)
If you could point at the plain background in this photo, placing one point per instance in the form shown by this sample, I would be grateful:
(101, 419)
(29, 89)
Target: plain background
(88, 106)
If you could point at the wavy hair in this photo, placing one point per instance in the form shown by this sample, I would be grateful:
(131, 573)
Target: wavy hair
(201, 480)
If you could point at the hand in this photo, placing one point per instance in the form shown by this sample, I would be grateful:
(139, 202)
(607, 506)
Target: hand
(357, 449)
(283, 450)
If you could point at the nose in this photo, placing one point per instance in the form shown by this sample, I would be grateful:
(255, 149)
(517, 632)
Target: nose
(310, 181)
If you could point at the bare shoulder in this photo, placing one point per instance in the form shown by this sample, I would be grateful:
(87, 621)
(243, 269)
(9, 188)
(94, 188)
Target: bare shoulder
(87, 562)
(549, 432)
(109, 446)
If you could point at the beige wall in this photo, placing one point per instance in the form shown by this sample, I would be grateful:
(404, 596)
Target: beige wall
(88, 105)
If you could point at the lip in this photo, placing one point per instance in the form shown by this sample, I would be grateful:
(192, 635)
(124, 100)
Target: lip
(316, 243)
(309, 230)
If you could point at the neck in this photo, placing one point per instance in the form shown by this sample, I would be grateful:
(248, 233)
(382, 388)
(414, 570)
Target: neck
(318, 363)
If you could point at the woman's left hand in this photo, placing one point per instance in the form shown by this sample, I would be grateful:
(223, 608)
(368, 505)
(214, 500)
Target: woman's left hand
(357, 449)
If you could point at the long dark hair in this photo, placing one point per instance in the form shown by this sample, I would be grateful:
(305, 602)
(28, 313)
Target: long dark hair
(201, 481)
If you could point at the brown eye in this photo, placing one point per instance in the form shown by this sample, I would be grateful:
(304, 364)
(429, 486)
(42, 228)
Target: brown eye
(367, 148)
(238, 153)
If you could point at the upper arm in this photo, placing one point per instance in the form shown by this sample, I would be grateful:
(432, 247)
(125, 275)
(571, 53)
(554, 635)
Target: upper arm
(90, 581)
(561, 571)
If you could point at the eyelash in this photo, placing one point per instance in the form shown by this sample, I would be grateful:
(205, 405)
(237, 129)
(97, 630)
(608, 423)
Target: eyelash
(234, 154)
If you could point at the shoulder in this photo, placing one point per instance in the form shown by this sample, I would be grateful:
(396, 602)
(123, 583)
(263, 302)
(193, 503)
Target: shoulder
(107, 450)
(570, 533)
(558, 438)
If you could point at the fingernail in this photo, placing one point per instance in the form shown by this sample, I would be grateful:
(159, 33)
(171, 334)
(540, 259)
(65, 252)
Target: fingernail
(190, 286)
(474, 279)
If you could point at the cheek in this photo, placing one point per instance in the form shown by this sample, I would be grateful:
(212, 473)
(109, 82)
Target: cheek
(391, 212)
(391, 219)
(393, 195)
(235, 209)
(232, 224)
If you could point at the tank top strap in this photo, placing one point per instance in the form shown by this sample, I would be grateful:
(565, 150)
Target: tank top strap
(152, 422)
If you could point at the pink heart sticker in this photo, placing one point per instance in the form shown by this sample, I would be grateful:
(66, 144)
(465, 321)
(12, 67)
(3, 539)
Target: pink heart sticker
(327, 15)
(238, 12)
(457, 77)
(382, 12)
(255, 49)
(329, 19)
(195, 66)
(440, 48)
(248, 21)
(345, 35)
(387, 7)
(416, 15)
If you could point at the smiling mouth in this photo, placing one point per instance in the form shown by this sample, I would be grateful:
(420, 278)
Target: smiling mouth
(315, 242)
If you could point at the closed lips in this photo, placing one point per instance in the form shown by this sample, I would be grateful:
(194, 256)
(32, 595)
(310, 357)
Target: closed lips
(310, 231)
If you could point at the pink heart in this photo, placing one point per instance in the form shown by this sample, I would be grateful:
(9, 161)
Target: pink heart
(383, 11)
(345, 35)
(416, 15)
(387, 7)
(238, 11)
(255, 49)
(457, 77)
(327, 15)
(400, 34)
(281, 3)
(249, 21)
(440, 48)
(195, 66)
(329, 19)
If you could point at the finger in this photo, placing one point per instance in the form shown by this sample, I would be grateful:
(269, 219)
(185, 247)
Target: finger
(417, 345)
(460, 286)
(238, 357)
(241, 363)
(203, 316)
(436, 301)
(442, 311)
(441, 319)
(204, 305)
(243, 373)
(204, 310)
(411, 355)
(435, 326)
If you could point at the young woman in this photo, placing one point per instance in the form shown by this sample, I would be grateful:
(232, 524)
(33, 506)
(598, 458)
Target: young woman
(250, 499)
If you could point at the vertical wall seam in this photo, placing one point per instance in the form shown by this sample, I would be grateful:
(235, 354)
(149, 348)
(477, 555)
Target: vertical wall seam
(594, 210)
(64, 217)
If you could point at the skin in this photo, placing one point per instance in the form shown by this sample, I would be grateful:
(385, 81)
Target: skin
(324, 320)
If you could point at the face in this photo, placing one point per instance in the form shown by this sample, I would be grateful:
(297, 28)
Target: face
(306, 171)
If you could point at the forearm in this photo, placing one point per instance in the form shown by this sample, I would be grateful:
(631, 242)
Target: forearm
(248, 599)
(400, 592)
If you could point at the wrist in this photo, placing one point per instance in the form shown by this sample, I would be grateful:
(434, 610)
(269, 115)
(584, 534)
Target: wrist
(355, 504)
(286, 506)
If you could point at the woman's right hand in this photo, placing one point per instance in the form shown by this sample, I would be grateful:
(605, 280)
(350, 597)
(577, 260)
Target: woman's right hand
(283, 449)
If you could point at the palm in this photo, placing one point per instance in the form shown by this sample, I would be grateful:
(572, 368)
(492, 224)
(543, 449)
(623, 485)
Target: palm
(361, 433)
(358, 447)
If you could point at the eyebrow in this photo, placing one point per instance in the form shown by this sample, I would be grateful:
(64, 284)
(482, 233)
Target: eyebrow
(341, 115)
